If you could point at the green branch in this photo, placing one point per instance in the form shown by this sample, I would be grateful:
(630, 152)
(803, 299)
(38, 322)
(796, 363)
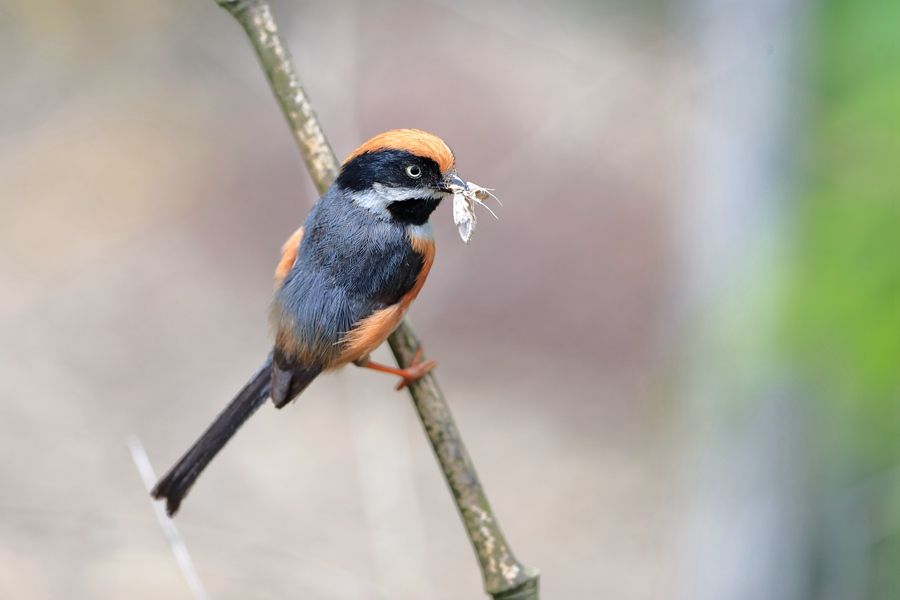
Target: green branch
(504, 577)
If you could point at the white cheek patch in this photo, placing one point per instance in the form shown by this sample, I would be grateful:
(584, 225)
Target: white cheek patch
(377, 199)
(398, 194)
(371, 201)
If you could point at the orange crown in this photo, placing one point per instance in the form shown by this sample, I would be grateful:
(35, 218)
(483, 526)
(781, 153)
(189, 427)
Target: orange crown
(415, 141)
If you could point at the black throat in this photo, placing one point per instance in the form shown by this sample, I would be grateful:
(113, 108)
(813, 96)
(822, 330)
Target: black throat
(413, 212)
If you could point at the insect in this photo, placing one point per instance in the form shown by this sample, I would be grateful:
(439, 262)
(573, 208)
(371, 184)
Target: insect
(465, 197)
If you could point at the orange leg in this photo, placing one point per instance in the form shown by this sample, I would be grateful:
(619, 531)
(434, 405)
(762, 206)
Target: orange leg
(416, 371)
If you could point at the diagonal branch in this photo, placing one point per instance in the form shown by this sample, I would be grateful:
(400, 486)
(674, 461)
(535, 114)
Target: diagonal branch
(504, 576)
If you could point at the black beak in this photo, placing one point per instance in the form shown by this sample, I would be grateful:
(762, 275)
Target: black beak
(452, 179)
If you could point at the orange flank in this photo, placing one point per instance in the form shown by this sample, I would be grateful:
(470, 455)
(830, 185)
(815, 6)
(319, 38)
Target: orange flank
(288, 255)
(414, 141)
(370, 332)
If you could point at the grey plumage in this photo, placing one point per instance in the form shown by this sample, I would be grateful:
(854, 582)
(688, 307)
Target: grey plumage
(351, 263)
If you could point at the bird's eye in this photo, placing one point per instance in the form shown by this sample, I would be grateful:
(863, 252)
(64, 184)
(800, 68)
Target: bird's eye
(414, 171)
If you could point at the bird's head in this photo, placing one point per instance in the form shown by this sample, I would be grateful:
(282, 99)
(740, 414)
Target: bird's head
(402, 174)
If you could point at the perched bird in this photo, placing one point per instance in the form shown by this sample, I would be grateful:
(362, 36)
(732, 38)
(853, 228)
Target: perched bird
(344, 282)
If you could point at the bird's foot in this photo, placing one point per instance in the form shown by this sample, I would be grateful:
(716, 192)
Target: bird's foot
(414, 372)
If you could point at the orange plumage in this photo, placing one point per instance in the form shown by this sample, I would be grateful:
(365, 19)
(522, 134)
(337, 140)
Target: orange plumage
(414, 141)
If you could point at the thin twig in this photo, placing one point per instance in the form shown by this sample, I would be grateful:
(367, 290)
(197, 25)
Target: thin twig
(171, 533)
(503, 575)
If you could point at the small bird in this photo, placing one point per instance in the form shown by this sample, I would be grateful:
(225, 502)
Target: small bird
(344, 282)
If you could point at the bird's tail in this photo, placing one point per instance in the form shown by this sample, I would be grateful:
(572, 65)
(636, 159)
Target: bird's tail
(175, 485)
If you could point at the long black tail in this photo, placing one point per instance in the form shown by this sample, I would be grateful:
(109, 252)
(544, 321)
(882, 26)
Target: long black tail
(175, 485)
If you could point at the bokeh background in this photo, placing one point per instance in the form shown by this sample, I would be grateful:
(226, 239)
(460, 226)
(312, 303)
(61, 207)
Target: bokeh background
(675, 358)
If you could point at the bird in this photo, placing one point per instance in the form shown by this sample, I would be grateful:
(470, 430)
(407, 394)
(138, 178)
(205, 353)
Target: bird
(344, 281)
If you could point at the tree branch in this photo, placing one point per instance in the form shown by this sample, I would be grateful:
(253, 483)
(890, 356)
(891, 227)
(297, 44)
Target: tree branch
(503, 575)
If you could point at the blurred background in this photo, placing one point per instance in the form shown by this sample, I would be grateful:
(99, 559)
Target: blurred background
(674, 358)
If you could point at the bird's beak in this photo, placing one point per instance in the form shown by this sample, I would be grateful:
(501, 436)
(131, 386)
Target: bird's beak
(453, 182)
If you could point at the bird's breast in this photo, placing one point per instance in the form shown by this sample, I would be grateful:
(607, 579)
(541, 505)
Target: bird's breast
(351, 273)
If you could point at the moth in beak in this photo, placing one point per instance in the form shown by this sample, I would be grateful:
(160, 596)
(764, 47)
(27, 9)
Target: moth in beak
(465, 196)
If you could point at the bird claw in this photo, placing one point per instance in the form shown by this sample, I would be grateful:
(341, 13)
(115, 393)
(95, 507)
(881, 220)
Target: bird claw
(416, 370)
